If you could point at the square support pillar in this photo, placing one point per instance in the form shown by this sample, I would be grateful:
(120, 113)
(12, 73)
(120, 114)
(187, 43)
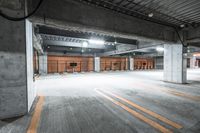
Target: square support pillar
(97, 64)
(174, 64)
(130, 63)
(43, 64)
(192, 62)
(17, 91)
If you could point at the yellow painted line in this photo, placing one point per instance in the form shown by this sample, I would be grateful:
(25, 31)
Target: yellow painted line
(173, 92)
(181, 94)
(163, 119)
(137, 115)
(36, 116)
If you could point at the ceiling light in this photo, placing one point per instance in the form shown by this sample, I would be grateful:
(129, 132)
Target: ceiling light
(160, 49)
(182, 25)
(85, 44)
(82, 50)
(71, 48)
(150, 15)
(95, 41)
(196, 55)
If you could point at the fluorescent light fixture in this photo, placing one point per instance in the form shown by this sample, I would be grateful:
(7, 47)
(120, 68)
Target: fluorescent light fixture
(196, 55)
(85, 44)
(182, 25)
(160, 49)
(150, 15)
(95, 41)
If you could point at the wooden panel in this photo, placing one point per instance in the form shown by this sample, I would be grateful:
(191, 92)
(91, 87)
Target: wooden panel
(143, 63)
(35, 62)
(113, 63)
(60, 64)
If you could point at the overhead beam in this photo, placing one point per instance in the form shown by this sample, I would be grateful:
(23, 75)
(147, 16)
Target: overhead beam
(76, 16)
(117, 52)
(193, 36)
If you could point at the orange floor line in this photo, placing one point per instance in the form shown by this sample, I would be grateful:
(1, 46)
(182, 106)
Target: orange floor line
(163, 119)
(36, 116)
(137, 115)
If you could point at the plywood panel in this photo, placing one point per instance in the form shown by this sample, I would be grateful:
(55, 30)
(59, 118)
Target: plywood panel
(113, 63)
(143, 63)
(60, 64)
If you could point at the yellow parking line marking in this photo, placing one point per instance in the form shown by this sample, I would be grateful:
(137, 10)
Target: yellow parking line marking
(173, 92)
(137, 115)
(36, 116)
(181, 94)
(169, 122)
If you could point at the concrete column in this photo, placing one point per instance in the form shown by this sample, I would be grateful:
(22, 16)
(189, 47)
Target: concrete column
(43, 64)
(158, 62)
(174, 63)
(192, 62)
(16, 62)
(130, 63)
(97, 64)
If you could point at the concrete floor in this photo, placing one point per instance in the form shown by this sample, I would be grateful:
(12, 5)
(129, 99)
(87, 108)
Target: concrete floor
(97, 103)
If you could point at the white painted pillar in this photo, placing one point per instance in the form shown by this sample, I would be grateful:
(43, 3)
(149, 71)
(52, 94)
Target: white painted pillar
(130, 63)
(192, 62)
(97, 64)
(174, 64)
(29, 60)
(43, 64)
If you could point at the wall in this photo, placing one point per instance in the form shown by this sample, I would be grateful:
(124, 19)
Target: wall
(143, 63)
(36, 62)
(60, 64)
(113, 63)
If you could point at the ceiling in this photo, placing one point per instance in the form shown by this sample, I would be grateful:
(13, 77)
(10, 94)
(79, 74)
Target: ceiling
(174, 13)
(59, 40)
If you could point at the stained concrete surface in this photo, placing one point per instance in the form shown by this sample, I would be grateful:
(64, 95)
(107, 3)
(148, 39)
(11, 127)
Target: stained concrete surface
(72, 104)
